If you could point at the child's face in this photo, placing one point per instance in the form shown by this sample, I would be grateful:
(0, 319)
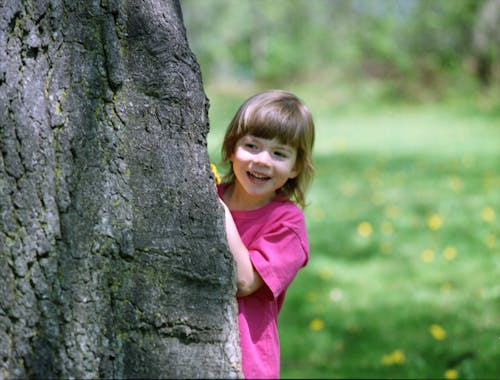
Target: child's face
(262, 166)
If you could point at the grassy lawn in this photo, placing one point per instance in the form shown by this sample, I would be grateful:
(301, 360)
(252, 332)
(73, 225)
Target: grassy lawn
(404, 228)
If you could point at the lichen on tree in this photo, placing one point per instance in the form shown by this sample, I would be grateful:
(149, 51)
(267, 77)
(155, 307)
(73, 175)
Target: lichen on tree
(112, 260)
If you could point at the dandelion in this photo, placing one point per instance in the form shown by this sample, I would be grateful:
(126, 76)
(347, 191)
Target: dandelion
(392, 211)
(451, 374)
(427, 255)
(450, 253)
(435, 222)
(348, 189)
(488, 181)
(488, 214)
(437, 332)
(372, 174)
(216, 173)
(311, 296)
(325, 274)
(491, 240)
(387, 228)
(386, 360)
(395, 357)
(316, 324)
(386, 248)
(455, 183)
(365, 229)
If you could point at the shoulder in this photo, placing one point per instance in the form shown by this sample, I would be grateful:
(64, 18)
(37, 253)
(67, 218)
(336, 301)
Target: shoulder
(286, 210)
(287, 214)
(286, 223)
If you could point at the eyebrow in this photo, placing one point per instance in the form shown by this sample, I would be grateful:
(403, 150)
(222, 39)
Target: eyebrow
(285, 147)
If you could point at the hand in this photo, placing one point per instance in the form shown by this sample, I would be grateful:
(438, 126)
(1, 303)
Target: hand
(248, 279)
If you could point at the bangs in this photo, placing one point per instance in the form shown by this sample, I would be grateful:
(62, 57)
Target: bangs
(273, 124)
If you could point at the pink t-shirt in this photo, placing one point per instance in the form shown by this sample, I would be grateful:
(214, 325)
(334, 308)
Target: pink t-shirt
(276, 238)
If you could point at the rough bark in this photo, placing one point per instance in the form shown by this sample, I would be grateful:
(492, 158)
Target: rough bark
(113, 262)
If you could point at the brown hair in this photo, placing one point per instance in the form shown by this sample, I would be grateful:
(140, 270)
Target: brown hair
(276, 114)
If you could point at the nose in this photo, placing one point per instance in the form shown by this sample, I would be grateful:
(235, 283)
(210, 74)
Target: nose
(263, 158)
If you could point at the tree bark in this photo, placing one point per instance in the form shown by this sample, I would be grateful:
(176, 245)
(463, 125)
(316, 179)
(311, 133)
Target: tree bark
(113, 262)
(486, 42)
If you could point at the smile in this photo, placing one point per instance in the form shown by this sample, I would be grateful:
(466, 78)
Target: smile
(258, 177)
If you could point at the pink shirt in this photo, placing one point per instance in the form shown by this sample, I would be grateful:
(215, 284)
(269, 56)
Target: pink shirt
(275, 236)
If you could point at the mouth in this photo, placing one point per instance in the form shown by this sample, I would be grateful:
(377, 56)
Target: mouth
(257, 177)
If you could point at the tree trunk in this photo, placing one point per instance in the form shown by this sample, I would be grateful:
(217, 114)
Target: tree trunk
(113, 262)
(486, 41)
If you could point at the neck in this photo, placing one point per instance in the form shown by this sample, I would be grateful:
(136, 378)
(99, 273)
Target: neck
(236, 198)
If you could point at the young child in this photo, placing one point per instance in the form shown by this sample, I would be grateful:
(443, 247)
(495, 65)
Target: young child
(268, 145)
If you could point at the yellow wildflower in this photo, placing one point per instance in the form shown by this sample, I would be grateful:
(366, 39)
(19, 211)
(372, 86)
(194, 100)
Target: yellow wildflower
(455, 183)
(365, 229)
(216, 173)
(386, 360)
(451, 374)
(488, 214)
(392, 211)
(325, 274)
(395, 357)
(316, 324)
(311, 296)
(450, 253)
(348, 188)
(491, 240)
(387, 228)
(437, 332)
(435, 222)
(386, 248)
(427, 255)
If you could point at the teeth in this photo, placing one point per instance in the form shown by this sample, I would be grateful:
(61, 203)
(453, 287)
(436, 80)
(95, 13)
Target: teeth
(258, 176)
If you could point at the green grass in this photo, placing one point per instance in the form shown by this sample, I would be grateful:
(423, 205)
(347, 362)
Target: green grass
(381, 273)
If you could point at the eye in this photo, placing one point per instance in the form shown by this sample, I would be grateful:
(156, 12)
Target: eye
(280, 154)
(251, 146)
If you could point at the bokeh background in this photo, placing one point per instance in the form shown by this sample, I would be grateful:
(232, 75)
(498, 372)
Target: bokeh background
(404, 211)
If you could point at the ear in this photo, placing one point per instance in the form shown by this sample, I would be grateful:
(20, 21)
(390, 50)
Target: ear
(295, 172)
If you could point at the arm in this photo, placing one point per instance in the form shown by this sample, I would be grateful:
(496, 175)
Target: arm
(248, 279)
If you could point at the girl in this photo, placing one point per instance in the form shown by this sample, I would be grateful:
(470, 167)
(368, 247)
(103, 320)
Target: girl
(268, 145)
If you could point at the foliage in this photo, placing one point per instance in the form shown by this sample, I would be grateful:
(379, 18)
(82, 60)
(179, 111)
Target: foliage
(409, 44)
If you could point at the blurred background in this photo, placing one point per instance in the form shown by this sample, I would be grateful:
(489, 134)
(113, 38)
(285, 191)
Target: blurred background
(403, 214)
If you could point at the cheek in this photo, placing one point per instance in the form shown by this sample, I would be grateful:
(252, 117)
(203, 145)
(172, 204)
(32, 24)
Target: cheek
(239, 155)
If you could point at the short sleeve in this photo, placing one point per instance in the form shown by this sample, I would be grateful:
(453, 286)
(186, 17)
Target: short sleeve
(278, 254)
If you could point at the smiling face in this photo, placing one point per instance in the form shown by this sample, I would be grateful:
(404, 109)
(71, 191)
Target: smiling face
(281, 117)
(261, 167)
